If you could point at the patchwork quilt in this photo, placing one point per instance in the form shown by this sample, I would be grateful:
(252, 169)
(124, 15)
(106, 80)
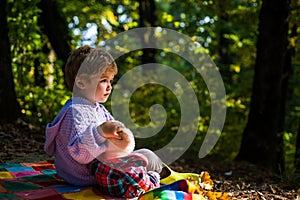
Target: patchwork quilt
(39, 181)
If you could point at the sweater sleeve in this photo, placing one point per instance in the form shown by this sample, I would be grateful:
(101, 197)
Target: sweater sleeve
(85, 143)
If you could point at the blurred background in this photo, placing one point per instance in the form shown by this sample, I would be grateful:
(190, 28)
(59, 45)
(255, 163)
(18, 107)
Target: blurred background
(255, 45)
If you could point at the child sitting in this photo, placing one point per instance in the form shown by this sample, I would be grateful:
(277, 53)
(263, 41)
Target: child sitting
(83, 132)
(78, 136)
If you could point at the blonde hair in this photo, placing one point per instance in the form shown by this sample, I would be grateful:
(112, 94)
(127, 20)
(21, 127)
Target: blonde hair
(90, 61)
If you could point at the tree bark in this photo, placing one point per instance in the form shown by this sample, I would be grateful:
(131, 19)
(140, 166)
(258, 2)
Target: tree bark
(147, 12)
(54, 25)
(224, 58)
(285, 91)
(297, 154)
(9, 106)
(260, 141)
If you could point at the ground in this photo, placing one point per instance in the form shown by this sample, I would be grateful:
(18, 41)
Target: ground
(241, 180)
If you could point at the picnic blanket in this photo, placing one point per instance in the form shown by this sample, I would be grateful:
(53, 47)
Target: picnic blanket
(39, 181)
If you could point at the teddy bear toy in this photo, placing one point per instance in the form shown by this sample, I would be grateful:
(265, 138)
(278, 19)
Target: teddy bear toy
(118, 147)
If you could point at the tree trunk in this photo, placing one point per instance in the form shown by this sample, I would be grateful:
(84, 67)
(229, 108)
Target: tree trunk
(224, 58)
(56, 28)
(287, 73)
(297, 154)
(9, 106)
(260, 141)
(147, 12)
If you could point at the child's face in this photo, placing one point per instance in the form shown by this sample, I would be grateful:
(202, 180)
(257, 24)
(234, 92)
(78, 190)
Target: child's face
(98, 88)
(104, 87)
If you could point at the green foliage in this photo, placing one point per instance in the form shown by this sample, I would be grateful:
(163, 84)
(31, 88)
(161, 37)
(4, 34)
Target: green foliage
(38, 104)
(207, 22)
(40, 111)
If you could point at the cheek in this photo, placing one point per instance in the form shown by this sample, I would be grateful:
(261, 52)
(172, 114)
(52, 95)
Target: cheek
(101, 87)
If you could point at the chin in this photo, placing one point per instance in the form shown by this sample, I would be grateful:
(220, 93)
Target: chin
(102, 100)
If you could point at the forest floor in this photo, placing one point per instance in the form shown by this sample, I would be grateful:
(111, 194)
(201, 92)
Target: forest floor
(23, 143)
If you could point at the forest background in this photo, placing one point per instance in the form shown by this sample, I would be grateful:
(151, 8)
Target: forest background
(262, 96)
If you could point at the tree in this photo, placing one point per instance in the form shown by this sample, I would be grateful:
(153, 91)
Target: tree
(260, 139)
(147, 12)
(9, 106)
(54, 25)
(297, 154)
(227, 30)
(223, 48)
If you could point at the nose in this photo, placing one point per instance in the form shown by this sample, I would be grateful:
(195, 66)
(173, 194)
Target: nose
(109, 86)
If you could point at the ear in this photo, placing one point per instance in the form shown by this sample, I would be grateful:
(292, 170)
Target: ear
(80, 83)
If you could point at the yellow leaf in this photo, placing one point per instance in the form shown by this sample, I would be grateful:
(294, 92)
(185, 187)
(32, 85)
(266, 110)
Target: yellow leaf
(235, 68)
(217, 195)
(111, 17)
(205, 181)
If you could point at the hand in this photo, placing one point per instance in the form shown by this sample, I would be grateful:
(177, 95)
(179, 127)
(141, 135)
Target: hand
(111, 129)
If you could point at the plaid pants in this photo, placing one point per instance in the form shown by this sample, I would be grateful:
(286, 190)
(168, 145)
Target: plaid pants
(125, 177)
